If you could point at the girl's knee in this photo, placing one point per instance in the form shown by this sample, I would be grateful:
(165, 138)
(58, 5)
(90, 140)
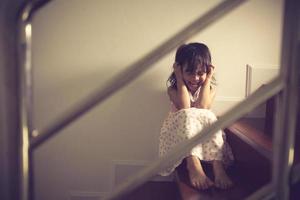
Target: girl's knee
(208, 115)
(211, 114)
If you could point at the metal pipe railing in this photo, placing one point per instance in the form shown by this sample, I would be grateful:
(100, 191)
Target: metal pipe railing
(133, 71)
(25, 93)
(258, 97)
(286, 102)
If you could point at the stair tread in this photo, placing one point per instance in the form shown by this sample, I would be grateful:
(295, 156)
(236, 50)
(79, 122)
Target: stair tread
(248, 173)
(256, 135)
(241, 188)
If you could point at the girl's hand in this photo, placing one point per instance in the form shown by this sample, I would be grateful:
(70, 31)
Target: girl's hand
(210, 72)
(177, 70)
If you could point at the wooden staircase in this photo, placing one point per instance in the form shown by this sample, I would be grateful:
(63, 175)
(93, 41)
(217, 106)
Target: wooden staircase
(251, 143)
(252, 149)
(250, 171)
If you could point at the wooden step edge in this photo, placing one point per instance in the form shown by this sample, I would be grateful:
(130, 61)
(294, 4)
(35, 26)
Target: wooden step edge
(253, 137)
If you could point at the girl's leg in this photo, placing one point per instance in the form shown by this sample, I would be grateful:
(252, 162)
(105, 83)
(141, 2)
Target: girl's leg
(197, 176)
(222, 180)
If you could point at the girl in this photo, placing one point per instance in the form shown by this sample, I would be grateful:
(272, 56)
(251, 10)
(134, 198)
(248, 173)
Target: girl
(191, 91)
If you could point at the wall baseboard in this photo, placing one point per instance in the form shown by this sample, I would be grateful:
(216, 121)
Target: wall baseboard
(122, 169)
(87, 195)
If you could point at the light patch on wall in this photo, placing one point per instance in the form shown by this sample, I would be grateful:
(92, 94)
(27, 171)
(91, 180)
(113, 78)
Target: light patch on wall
(256, 77)
(223, 103)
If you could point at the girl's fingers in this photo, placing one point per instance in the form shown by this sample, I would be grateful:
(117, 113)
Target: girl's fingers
(176, 65)
(177, 69)
(211, 70)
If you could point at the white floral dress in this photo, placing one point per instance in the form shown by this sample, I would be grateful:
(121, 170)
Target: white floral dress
(183, 124)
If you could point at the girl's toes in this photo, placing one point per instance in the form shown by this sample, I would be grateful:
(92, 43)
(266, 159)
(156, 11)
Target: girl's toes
(194, 184)
(210, 183)
(199, 186)
(230, 184)
(219, 184)
(222, 185)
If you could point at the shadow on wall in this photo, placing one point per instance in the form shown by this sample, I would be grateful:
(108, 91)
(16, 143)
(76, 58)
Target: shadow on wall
(124, 127)
(133, 114)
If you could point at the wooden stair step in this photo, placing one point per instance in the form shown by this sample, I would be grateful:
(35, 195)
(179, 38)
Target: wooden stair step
(241, 188)
(250, 171)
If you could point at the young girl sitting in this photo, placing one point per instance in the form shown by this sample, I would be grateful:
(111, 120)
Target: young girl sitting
(191, 91)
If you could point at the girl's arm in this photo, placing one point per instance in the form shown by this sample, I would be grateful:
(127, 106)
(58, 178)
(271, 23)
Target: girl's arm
(207, 93)
(179, 97)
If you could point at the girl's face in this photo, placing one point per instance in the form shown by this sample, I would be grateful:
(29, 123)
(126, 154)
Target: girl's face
(193, 80)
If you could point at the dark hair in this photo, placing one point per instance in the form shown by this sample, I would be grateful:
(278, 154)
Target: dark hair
(193, 55)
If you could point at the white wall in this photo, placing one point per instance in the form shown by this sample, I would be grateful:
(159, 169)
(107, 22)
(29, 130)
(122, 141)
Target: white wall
(79, 45)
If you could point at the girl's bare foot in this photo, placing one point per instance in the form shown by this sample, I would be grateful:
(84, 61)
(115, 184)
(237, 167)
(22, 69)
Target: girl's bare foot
(222, 180)
(197, 176)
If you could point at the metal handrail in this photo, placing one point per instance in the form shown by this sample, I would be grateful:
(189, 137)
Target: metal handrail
(25, 89)
(25, 92)
(258, 97)
(286, 102)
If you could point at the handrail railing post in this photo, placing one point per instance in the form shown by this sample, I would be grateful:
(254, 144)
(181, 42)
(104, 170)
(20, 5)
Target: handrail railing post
(286, 102)
(25, 102)
(25, 93)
